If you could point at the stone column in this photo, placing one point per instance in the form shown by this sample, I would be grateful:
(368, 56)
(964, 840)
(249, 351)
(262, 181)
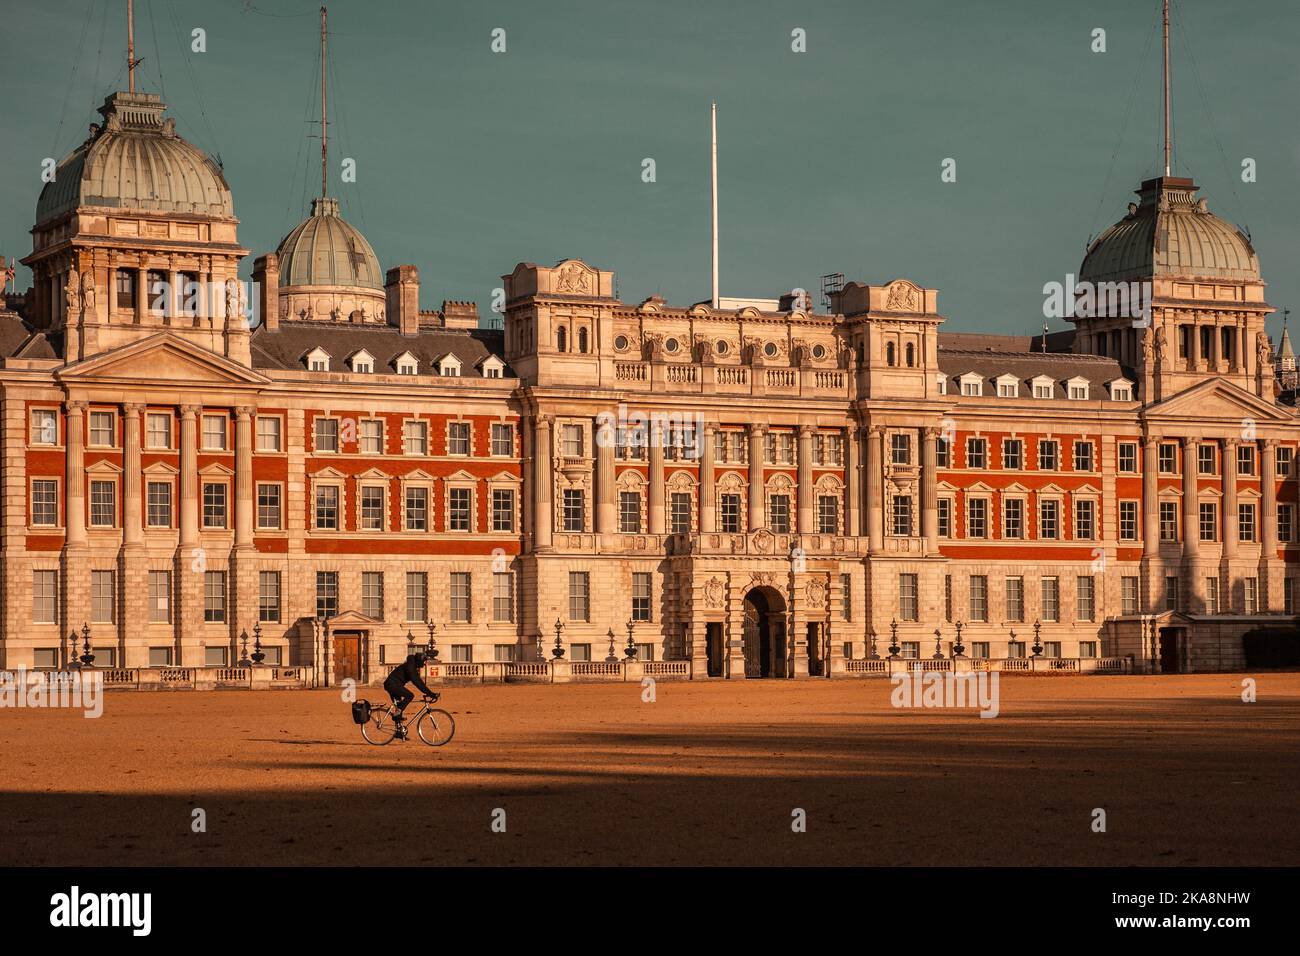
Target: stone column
(189, 477)
(1151, 497)
(205, 283)
(875, 489)
(75, 507)
(110, 293)
(132, 530)
(852, 484)
(1228, 456)
(757, 503)
(141, 292)
(543, 484)
(245, 501)
(804, 491)
(655, 491)
(930, 489)
(1191, 514)
(174, 296)
(708, 514)
(606, 497)
(1270, 596)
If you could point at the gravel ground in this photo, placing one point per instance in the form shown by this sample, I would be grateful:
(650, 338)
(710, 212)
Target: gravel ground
(709, 773)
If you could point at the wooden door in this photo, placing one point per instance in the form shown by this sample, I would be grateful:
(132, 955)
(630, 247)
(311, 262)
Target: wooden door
(347, 656)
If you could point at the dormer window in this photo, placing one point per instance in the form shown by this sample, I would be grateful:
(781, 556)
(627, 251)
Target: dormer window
(363, 361)
(449, 366)
(1044, 387)
(1008, 386)
(1121, 390)
(318, 360)
(972, 385)
(491, 367)
(406, 364)
(942, 381)
(1077, 389)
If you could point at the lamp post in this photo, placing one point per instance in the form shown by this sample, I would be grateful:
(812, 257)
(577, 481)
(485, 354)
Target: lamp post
(73, 663)
(938, 646)
(433, 644)
(630, 651)
(87, 656)
(959, 649)
(1012, 642)
(611, 657)
(541, 651)
(558, 651)
(410, 643)
(874, 655)
(243, 656)
(893, 638)
(1038, 645)
(258, 656)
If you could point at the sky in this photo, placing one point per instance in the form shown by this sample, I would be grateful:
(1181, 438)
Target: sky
(469, 161)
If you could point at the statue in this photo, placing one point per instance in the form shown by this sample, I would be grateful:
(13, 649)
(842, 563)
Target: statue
(1264, 350)
(72, 291)
(1148, 345)
(1162, 346)
(88, 293)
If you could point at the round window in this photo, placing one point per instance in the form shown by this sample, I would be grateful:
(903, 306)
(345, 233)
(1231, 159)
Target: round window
(620, 343)
(722, 346)
(671, 345)
(769, 349)
(819, 351)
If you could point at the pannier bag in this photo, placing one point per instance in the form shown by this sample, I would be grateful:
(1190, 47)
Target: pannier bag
(361, 711)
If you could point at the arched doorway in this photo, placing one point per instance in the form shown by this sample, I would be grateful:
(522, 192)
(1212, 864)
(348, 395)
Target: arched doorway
(765, 638)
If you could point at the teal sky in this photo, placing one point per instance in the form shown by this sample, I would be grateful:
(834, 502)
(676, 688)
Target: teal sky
(469, 161)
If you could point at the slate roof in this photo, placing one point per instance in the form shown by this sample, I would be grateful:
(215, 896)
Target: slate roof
(994, 355)
(287, 346)
(17, 340)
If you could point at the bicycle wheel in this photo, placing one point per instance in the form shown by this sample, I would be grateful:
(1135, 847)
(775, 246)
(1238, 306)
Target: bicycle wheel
(436, 727)
(380, 729)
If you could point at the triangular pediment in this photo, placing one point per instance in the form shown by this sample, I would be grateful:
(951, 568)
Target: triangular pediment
(1217, 399)
(351, 619)
(161, 358)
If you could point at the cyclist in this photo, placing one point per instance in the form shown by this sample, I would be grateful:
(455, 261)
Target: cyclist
(407, 673)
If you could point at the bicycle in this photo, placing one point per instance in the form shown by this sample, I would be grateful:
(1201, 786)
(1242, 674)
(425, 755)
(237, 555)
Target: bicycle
(434, 725)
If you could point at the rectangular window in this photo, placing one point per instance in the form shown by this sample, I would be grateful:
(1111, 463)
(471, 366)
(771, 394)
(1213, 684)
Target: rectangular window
(1087, 648)
(941, 453)
(503, 653)
(103, 504)
(372, 508)
(1245, 459)
(503, 598)
(1051, 599)
(103, 429)
(214, 432)
(579, 596)
(778, 514)
(1282, 460)
(268, 596)
(45, 502)
(1128, 457)
(846, 594)
(1048, 455)
(1128, 520)
(1129, 602)
(641, 595)
(979, 650)
(214, 504)
(680, 513)
(1288, 595)
(458, 438)
(1250, 595)
(828, 514)
(1013, 453)
(45, 597)
(103, 597)
(214, 596)
(571, 441)
(327, 594)
(417, 509)
(976, 453)
(1285, 522)
(460, 597)
(268, 507)
(1171, 593)
(157, 430)
(160, 597)
(900, 448)
(1246, 522)
(1085, 589)
(370, 436)
(977, 517)
(1049, 520)
(503, 440)
(415, 438)
(575, 511)
(911, 650)
(580, 653)
(900, 515)
(327, 508)
(417, 595)
(215, 656)
(731, 514)
(1205, 460)
(327, 434)
(503, 509)
(1085, 525)
(158, 513)
(1168, 458)
(268, 433)
(1083, 458)
(1209, 513)
(1168, 521)
(1212, 595)
(372, 594)
(45, 426)
(979, 597)
(458, 511)
(908, 597)
(629, 512)
(1015, 599)
(945, 517)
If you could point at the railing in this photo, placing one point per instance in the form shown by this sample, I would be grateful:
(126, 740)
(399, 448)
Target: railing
(1111, 665)
(177, 675)
(525, 670)
(667, 668)
(682, 374)
(233, 675)
(1062, 664)
(1013, 664)
(732, 375)
(866, 666)
(462, 670)
(825, 379)
(597, 669)
(929, 664)
(782, 378)
(121, 677)
(630, 371)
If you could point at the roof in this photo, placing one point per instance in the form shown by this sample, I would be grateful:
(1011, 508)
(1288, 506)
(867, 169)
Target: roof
(326, 250)
(1169, 232)
(999, 358)
(286, 347)
(17, 340)
(135, 160)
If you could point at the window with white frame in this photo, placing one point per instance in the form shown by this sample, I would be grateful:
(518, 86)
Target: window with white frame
(976, 453)
(372, 594)
(945, 517)
(417, 508)
(1128, 591)
(417, 595)
(574, 509)
(158, 430)
(327, 435)
(45, 426)
(503, 440)
(579, 596)
(1008, 387)
(1209, 516)
(103, 504)
(214, 432)
(1049, 519)
(778, 514)
(45, 597)
(729, 513)
(1049, 454)
(1085, 519)
(370, 436)
(571, 441)
(268, 597)
(214, 597)
(1078, 389)
(160, 597)
(1121, 392)
(1015, 595)
(680, 513)
(1085, 595)
(908, 597)
(1246, 521)
(158, 510)
(1013, 517)
(1084, 459)
(1044, 387)
(460, 509)
(268, 506)
(1128, 457)
(901, 515)
(103, 597)
(503, 509)
(458, 438)
(503, 597)
(629, 512)
(327, 507)
(103, 429)
(1013, 453)
(1051, 599)
(327, 594)
(641, 594)
(979, 597)
(415, 437)
(1168, 521)
(45, 502)
(972, 386)
(269, 433)
(828, 514)
(1128, 520)
(372, 507)
(977, 517)
(1285, 522)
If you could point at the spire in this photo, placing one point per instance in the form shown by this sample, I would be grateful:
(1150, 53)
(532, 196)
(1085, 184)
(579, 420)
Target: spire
(324, 122)
(1168, 143)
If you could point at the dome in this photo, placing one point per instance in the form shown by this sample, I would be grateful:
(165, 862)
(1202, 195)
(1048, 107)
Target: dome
(135, 160)
(325, 250)
(1169, 233)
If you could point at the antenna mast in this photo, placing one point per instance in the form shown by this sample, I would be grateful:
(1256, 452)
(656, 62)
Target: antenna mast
(131, 61)
(324, 127)
(1168, 144)
(714, 159)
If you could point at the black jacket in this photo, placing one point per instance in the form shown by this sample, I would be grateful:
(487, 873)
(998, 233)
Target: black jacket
(409, 673)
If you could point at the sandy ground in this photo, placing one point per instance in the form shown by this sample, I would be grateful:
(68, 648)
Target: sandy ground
(709, 773)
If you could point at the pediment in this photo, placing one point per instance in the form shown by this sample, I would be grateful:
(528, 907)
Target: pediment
(1217, 399)
(161, 358)
(351, 619)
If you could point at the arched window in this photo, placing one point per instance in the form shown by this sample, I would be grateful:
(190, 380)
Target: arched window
(561, 340)
(911, 355)
(582, 340)
(891, 354)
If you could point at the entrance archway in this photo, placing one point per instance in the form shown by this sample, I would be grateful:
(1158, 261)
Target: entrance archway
(765, 637)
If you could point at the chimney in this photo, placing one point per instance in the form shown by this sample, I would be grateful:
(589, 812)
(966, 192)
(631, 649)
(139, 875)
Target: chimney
(459, 315)
(266, 279)
(402, 290)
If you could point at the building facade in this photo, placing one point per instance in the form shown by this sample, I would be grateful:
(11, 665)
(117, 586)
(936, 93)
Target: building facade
(753, 487)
